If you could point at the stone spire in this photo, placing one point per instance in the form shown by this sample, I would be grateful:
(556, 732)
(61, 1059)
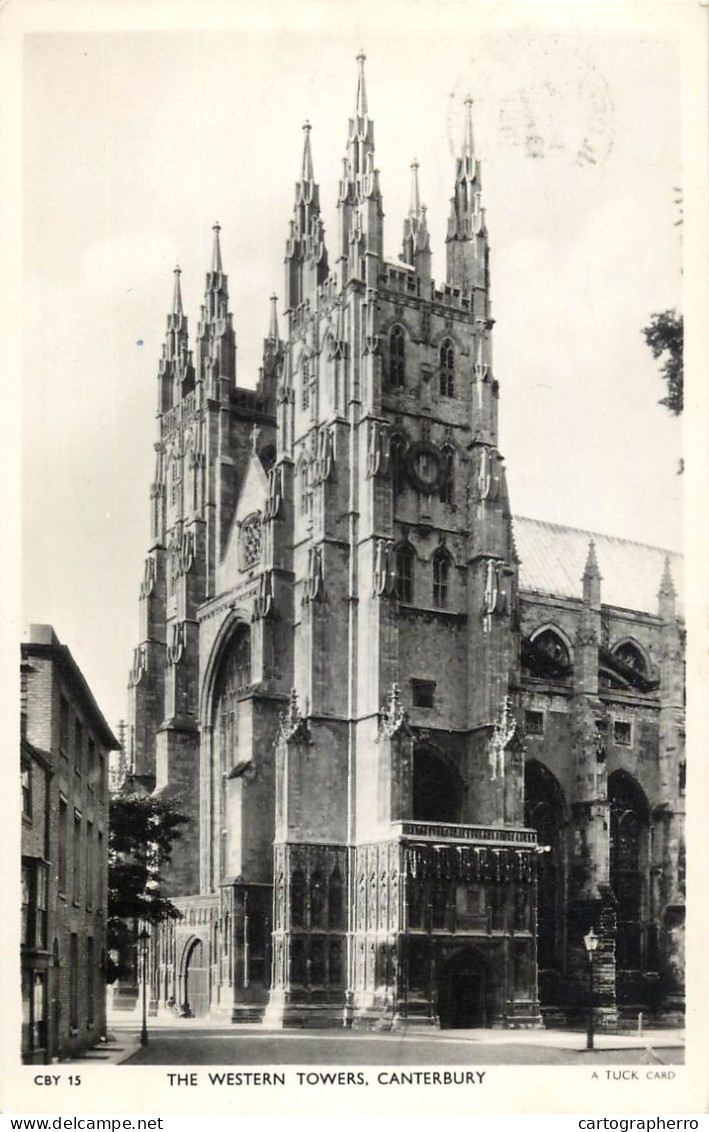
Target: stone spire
(177, 295)
(175, 369)
(215, 333)
(273, 335)
(359, 198)
(361, 110)
(466, 239)
(216, 250)
(592, 579)
(667, 594)
(306, 254)
(416, 243)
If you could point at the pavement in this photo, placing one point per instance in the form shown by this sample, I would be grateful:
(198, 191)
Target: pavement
(123, 1041)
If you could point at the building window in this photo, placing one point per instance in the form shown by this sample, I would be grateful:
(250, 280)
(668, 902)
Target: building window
(91, 764)
(62, 848)
(251, 532)
(447, 369)
(622, 733)
(89, 864)
(90, 981)
(34, 1011)
(26, 903)
(78, 746)
(405, 574)
(304, 492)
(305, 385)
(76, 857)
(101, 776)
(297, 899)
(397, 452)
(41, 890)
(34, 904)
(441, 564)
(336, 961)
(64, 726)
(631, 656)
(101, 865)
(234, 678)
(534, 722)
(317, 899)
(26, 780)
(628, 865)
(397, 356)
(423, 692)
(334, 900)
(447, 492)
(73, 981)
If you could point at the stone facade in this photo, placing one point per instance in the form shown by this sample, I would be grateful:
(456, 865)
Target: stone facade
(64, 764)
(403, 769)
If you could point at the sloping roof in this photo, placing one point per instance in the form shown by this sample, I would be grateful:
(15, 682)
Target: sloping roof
(552, 561)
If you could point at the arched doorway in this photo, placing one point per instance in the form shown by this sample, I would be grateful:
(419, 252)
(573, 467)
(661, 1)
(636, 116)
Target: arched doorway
(465, 992)
(629, 835)
(437, 793)
(545, 811)
(196, 981)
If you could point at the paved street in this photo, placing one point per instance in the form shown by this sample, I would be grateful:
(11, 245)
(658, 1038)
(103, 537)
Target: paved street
(189, 1045)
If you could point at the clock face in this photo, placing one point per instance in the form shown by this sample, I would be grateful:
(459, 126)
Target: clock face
(424, 467)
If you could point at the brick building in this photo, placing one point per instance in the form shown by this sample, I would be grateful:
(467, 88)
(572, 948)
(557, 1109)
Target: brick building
(425, 746)
(64, 766)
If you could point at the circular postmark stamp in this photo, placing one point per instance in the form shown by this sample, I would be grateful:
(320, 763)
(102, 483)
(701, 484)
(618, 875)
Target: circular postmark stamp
(541, 93)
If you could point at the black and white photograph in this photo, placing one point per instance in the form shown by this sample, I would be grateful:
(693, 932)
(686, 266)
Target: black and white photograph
(361, 529)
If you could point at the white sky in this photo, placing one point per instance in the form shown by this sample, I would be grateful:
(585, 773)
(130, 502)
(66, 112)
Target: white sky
(135, 142)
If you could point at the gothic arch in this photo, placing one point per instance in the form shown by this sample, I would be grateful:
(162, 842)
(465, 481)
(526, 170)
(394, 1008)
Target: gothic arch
(397, 341)
(629, 867)
(552, 627)
(627, 646)
(461, 346)
(545, 811)
(220, 649)
(437, 786)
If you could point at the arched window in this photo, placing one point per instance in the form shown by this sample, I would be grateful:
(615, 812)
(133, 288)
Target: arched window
(334, 900)
(447, 492)
(234, 678)
(397, 356)
(441, 568)
(397, 452)
(544, 811)
(297, 899)
(551, 645)
(438, 792)
(630, 655)
(446, 370)
(405, 573)
(317, 899)
(305, 384)
(304, 490)
(628, 866)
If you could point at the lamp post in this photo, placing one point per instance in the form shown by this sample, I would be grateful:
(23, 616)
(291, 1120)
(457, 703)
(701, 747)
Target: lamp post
(590, 942)
(144, 936)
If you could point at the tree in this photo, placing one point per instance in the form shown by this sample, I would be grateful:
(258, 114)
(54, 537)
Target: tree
(142, 831)
(665, 336)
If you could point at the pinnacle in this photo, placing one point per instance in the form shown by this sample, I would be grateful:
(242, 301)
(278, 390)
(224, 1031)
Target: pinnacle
(273, 324)
(591, 568)
(468, 144)
(667, 585)
(217, 251)
(415, 196)
(361, 100)
(307, 169)
(177, 297)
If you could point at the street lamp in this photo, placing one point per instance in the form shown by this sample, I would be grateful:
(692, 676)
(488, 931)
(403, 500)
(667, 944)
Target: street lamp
(590, 942)
(144, 936)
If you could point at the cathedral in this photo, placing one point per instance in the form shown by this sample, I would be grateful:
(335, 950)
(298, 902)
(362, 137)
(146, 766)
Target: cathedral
(425, 745)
